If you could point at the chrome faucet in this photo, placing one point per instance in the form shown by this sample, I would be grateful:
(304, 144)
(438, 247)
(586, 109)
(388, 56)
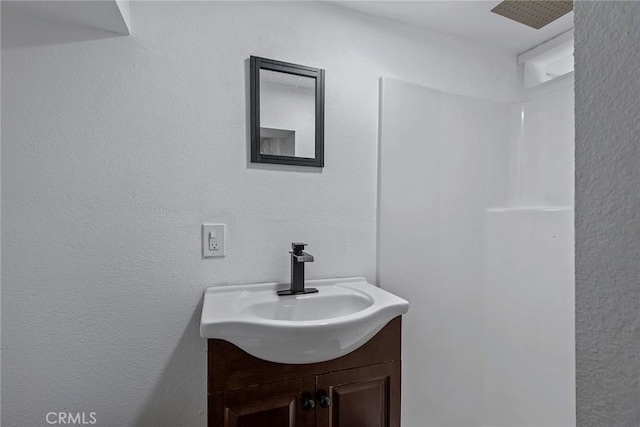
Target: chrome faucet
(298, 258)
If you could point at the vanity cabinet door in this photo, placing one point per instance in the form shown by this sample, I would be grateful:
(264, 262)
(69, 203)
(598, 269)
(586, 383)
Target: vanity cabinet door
(269, 405)
(360, 397)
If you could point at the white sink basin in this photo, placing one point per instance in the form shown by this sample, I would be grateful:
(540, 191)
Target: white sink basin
(309, 328)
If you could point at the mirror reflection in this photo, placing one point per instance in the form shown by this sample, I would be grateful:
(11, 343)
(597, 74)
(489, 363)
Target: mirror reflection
(287, 114)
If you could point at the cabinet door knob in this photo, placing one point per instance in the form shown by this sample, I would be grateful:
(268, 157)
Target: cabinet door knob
(308, 403)
(323, 399)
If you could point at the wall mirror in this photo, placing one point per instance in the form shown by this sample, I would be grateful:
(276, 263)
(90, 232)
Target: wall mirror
(287, 113)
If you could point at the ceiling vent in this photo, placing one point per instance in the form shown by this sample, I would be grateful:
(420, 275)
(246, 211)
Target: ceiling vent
(534, 13)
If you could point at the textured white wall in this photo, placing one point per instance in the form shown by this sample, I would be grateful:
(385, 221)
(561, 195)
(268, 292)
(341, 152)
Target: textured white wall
(0, 226)
(607, 58)
(117, 149)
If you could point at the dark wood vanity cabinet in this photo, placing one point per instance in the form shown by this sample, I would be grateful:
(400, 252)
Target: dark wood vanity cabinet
(273, 404)
(361, 389)
(365, 397)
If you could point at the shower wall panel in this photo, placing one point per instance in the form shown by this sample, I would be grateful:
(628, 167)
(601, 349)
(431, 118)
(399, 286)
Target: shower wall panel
(542, 148)
(528, 301)
(488, 337)
(443, 159)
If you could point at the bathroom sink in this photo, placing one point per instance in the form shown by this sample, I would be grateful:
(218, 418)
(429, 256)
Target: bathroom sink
(342, 316)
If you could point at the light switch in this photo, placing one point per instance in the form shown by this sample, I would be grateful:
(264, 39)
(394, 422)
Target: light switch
(214, 239)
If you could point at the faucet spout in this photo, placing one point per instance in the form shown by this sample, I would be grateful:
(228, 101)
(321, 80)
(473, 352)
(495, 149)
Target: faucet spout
(302, 257)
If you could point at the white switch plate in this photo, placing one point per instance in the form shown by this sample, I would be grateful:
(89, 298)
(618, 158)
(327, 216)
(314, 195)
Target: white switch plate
(214, 240)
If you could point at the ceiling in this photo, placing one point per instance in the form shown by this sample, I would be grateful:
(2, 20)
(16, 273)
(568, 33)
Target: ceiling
(468, 19)
(35, 23)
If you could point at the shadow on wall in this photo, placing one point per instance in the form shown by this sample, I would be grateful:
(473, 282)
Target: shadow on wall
(33, 23)
(179, 396)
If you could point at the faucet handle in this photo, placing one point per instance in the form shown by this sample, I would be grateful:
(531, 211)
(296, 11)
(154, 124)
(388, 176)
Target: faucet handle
(298, 247)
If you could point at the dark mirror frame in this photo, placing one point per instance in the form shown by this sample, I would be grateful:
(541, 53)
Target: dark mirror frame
(257, 64)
